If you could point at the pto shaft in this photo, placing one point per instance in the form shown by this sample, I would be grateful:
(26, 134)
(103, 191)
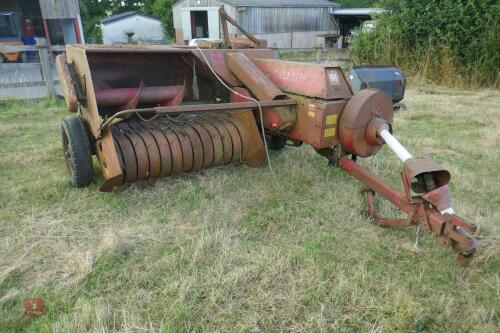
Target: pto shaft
(394, 144)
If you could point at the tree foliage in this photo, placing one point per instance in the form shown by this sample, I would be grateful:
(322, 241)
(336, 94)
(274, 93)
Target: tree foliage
(92, 11)
(162, 9)
(450, 41)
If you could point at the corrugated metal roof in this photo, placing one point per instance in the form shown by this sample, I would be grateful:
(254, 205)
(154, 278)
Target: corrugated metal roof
(124, 15)
(357, 11)
(51, 9)
(282, 3)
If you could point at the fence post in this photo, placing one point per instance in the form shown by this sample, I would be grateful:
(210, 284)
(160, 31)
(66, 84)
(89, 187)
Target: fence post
(46, 67)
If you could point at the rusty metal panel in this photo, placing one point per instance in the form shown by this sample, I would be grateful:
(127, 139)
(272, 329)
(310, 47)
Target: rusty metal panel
(416, 167)
(218, 61)
(307, 79)
(244, 69)
(170, 145)
(67, 84)
(317, 122)
(120, 96)
(59, 9)
(450, 230)
(355, 131)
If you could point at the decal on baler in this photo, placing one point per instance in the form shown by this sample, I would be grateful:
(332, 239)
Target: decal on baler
(334, 78)
(329, 132)
(331, 119)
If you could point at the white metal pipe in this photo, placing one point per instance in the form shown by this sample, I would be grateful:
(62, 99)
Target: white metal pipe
(394, 144)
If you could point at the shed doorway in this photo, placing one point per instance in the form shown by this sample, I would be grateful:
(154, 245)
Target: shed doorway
(199, 24)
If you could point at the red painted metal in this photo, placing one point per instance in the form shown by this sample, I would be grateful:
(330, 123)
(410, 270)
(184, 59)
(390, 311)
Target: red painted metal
(417, 169)
(375, 183)
(47, 32)
(152, 138)
(77, 31)
(450, 230)
(356, 132)
(149, 95)
(317, 122)
(276, 119)
(308, 79)
(217, 60)
(244, 69)
(152, 149)
(440, 198)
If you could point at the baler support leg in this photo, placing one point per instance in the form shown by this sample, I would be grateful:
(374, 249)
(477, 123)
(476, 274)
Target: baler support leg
(372, 212)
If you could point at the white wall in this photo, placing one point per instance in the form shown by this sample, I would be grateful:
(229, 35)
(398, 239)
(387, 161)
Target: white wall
(307, 39)
(213, 21)
(144, 28)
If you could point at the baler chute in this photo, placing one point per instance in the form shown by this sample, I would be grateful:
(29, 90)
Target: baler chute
(151, 112)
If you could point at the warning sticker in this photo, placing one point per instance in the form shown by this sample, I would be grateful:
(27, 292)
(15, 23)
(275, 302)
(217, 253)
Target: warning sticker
(329, 132)
(331, 119)
(334, 78)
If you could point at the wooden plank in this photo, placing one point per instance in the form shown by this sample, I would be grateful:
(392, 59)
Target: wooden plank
(58, 9)
(46, 69)
(54, 48)
(26, 84)
(21, 66)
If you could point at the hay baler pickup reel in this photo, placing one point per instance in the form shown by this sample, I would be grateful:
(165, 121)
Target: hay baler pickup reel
(150, 112)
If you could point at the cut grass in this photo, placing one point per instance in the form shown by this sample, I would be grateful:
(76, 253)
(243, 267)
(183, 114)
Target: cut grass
(225, 250)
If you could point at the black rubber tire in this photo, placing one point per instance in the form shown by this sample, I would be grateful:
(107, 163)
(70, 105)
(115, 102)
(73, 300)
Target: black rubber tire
(77, 151)
(276, 142)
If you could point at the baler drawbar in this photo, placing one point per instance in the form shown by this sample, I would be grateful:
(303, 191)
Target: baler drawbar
(153, 111)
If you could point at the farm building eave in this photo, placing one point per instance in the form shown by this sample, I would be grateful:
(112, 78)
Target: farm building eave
(125, 15)
(277, 3)
(358, 11)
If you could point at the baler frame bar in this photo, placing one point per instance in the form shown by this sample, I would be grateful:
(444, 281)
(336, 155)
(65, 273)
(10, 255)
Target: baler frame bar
(450, 230)
(199, 108)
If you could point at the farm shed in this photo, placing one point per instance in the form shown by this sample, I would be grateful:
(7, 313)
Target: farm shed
(283, 23)
(58, 21)
(130, 27)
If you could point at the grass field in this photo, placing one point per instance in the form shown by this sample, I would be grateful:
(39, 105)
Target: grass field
(227, 250)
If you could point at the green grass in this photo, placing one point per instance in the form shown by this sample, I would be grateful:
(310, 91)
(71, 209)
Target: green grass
(227, 250)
